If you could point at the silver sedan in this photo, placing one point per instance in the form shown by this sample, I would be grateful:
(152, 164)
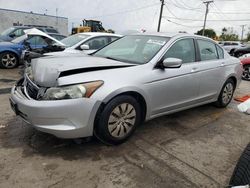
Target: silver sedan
(134, 79)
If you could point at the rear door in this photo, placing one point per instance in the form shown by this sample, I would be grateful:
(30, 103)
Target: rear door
(211, 69)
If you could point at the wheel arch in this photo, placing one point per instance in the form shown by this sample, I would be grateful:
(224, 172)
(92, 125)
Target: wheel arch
(233, 77)
(137, 93)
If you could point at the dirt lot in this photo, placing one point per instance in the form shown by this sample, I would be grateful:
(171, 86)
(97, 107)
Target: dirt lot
(194, 148)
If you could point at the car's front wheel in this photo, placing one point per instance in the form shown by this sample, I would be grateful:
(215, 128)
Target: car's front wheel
(118, 120)
(226, 94)
(8, 60)
(246, 73)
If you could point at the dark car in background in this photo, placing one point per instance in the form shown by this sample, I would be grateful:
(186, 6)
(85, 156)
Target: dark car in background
(241, 51)
(17, 31)
(246, 65)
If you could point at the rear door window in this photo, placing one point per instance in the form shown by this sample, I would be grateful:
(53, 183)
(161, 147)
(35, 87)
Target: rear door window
(207, 50)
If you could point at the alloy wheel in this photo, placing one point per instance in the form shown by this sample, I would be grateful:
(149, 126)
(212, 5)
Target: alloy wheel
(246, 73)
(227, 93)
(9, 60)
(121, 120)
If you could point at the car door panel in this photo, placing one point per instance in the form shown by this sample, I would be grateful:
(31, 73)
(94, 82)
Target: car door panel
(210, 70)
(174, 88)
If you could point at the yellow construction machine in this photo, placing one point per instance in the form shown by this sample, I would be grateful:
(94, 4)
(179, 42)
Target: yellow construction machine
(90, 26)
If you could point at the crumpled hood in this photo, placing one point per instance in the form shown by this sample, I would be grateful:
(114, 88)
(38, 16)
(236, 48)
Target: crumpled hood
(46, 70)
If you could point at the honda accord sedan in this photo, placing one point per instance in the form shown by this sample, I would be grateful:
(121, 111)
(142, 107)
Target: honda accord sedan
(134, 79)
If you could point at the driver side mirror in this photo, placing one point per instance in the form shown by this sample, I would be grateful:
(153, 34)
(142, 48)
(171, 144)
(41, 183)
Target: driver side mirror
(172, 63)
(84, 47)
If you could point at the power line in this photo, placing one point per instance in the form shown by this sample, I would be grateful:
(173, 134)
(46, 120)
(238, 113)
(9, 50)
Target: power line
(197, 20)
(125, 11)
(199, 9)
(221, 14)
(170, 11)
(182, 7)
(189, 26)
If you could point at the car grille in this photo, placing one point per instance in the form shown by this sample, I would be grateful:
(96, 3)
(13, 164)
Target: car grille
(31, 89)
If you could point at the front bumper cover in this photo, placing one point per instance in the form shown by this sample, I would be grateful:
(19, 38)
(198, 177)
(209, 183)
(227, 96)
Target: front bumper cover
(72, 118)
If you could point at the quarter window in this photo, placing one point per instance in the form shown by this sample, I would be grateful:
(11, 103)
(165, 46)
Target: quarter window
(207, 50)
(183, 49)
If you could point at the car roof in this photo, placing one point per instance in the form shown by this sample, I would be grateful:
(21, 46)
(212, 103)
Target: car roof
(171, 35)
(99, 34)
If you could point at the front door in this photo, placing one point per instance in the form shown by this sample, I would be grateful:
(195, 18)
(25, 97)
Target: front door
(175, 88)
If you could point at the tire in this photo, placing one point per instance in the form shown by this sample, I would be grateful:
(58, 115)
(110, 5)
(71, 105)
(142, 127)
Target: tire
(226, 94)
(241, 174)
(118, 120)
(232, 52)
(246, 73)
(8, 60)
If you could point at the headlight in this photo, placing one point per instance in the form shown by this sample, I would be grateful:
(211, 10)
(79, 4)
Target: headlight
(73, 91)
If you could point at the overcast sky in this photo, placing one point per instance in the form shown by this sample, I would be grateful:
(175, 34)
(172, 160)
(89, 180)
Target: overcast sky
(122, 15)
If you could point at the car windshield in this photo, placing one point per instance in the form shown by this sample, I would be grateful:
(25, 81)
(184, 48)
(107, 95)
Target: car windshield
(136, 49)
(73, 39)
(8, 31)
(19, 39)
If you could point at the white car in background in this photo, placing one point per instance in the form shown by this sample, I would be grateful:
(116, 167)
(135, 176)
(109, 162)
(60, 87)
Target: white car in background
(87, 42)
(230, 46)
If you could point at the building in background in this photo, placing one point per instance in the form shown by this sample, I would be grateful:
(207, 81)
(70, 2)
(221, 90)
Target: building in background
(10, 18)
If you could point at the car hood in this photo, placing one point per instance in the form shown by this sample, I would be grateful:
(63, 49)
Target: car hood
(70, 52)
(48, 69)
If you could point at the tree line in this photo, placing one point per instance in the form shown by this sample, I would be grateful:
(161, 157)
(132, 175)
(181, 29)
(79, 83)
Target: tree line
(227, 34)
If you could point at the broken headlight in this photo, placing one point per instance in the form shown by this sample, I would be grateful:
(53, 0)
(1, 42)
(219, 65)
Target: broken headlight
(72, 91)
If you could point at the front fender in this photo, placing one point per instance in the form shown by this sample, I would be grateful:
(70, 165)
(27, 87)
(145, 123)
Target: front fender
(131, 89)
(17, 52)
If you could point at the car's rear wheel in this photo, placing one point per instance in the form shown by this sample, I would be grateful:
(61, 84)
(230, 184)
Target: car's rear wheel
(8, 60)
(226, 94)
(118, 120)
(246, 73)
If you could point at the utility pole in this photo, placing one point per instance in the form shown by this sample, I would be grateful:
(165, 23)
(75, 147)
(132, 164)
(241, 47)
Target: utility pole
(205, 20)
(242, 32)
(159, 23)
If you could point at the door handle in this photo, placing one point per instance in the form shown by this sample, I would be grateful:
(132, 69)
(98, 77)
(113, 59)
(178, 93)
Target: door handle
(222, 64)
(194, 69)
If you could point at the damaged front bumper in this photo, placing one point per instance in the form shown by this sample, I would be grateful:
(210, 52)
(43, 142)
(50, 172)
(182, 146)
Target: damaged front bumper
(71, 118)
